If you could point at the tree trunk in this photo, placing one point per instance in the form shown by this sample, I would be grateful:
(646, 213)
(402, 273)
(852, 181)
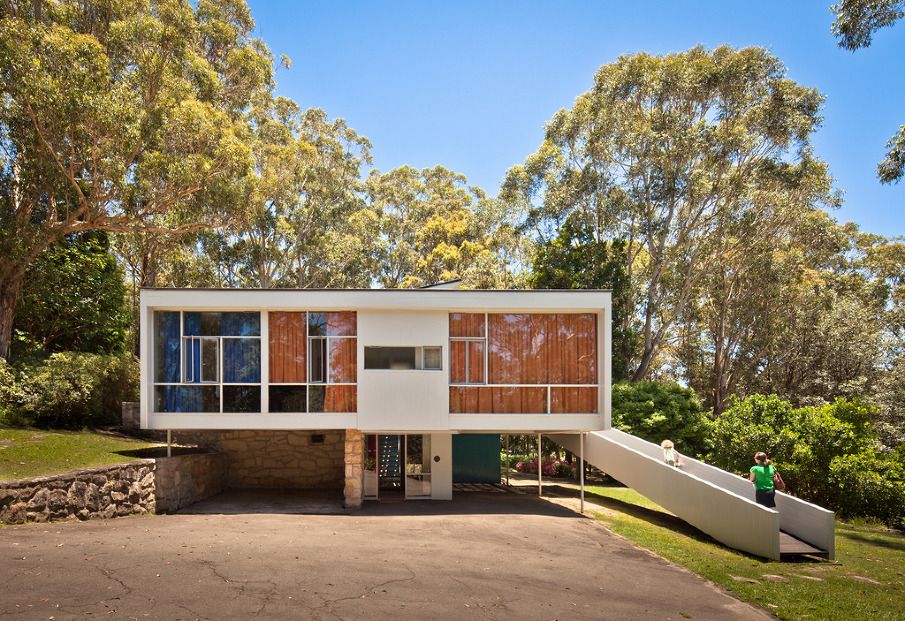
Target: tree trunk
(9, 294)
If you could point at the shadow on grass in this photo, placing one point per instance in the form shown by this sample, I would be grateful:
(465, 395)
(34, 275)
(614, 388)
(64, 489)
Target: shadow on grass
(159, 451)
(651, 516)
(882, 541)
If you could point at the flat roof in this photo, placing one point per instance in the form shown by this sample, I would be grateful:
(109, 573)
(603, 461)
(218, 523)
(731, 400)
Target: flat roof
(359, 290)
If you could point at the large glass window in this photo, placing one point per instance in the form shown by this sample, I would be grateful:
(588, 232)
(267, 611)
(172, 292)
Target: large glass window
(313, 361)
(467, 346)
(207, 362)
(523, 363)
(166, 346)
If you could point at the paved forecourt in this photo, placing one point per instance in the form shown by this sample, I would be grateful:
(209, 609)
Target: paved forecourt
(484, 556)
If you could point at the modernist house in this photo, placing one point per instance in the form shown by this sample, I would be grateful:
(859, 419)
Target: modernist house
(393, 393)
(400, 371)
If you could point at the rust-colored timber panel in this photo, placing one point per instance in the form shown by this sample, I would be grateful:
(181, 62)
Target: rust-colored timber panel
(584, 330)
(457, 400)
(457, 361)
(475, 362)
(466, 324)
(542, 348)
(343, 356)
(341, 399)
(573, 400)
(287, 347)
(497, 400)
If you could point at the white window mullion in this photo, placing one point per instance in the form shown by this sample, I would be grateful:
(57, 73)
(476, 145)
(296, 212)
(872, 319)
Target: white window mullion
(486, 348)
(265, 362)
(219, 343)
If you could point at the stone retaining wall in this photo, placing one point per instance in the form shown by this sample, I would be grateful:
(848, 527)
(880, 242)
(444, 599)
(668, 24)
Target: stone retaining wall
(141, 486)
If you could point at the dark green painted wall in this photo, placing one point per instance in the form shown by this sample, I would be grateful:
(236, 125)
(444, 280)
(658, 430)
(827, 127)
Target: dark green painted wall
(476, 458)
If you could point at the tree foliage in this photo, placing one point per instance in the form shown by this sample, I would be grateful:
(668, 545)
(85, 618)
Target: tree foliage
(75, 298)
(858, 20)
(69, 390)
(826, 454)
(574, 259)
(661, 153)
(431, 226)
(133, 118)
(658, 411)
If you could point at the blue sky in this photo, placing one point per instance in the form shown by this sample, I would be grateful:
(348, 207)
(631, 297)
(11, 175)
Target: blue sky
(469, 85)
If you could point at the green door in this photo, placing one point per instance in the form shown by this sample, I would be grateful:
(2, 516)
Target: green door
(476, 458)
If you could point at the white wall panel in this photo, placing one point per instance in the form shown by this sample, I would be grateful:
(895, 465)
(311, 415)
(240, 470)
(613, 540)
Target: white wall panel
(441, 471)
(403, 399)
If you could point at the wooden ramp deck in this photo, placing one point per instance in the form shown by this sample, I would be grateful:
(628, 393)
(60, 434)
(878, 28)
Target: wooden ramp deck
(789, 545)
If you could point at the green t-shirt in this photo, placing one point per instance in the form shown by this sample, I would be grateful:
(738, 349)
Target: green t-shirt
(763, 476)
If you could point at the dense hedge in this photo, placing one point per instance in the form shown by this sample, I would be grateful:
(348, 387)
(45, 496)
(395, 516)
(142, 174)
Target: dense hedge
(828, 455)
(657, 411)
(68, 390)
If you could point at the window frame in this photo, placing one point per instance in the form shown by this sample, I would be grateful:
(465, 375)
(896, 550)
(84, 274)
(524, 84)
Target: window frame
(187, 358)
(418, 358)
(308, 384)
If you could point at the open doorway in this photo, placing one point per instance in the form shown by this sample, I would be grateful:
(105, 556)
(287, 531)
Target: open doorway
(397, 466)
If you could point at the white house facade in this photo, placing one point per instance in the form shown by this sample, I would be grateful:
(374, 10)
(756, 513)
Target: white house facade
(403, 375)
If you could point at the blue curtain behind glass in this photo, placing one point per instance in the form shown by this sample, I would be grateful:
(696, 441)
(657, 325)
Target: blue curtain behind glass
(187, 399)
(240, 324)
(192, 325)
(242, 361)
(167, 346)
(231, 324)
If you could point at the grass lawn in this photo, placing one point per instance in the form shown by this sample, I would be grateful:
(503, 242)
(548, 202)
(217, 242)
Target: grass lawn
(867, 580)
(34, 452)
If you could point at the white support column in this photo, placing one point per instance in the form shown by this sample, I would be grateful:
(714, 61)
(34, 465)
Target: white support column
(169, 443)
(507, 459)
(581, 466)
(540, 469)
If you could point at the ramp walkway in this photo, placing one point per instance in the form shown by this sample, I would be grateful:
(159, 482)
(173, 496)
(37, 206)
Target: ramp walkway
(716, 502)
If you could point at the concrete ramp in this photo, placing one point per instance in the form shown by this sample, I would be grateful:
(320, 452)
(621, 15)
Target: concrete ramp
(716, 502)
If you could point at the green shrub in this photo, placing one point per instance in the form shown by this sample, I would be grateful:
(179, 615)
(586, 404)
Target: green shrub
(71, 390)
(7, 386)
(657, 411)
(826, 454)
(870, 484)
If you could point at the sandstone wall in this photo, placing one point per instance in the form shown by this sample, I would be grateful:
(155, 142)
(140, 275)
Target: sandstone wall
(353, 490)
(185, 479)
(282, 459)
(141, 486)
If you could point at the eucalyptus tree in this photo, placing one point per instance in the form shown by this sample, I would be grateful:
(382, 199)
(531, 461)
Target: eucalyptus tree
(119, 116)
(657, 153)
(431, 226)
(855, 25)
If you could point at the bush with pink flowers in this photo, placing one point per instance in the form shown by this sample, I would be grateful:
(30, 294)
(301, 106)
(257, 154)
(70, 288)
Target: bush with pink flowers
(551, 467)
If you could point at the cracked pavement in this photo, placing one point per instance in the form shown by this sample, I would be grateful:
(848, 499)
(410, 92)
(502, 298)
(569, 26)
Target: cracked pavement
(481, 556)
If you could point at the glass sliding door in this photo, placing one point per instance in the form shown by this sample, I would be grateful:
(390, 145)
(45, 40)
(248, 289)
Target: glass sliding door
(417, 466)
(397, 466)
(370, 467)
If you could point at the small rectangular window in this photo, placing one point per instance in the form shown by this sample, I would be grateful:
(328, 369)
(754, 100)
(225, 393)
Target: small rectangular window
(317, 355)
(210, 360)
(428, 358)
(395, 358)
(433, 359)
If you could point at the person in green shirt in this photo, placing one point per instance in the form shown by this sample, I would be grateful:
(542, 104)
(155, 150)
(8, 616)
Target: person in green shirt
(761, 474)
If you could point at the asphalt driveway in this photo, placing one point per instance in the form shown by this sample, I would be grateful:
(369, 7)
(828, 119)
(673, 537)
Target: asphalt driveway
(482, 556)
